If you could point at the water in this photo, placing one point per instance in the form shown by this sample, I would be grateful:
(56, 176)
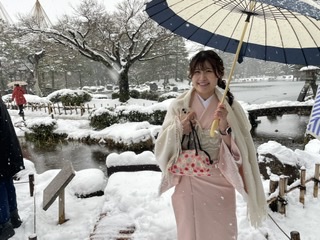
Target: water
(82, 156)
(261, 92)
(287, 130)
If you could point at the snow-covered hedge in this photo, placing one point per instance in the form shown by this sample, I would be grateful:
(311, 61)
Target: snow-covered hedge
(70, 97)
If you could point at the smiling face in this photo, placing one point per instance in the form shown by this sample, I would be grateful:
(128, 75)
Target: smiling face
(205, 70)
(204, 80)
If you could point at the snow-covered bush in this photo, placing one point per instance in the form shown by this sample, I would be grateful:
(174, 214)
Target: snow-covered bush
(41, 130)
(70, 97)
(168, 95)
(101, 118)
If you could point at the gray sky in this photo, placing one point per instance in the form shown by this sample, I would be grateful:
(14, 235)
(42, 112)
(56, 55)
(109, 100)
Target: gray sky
(53, 8)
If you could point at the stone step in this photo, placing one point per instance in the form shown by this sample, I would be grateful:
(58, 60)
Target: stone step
(100, 232)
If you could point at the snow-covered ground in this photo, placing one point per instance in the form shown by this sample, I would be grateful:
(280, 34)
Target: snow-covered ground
(131, 197)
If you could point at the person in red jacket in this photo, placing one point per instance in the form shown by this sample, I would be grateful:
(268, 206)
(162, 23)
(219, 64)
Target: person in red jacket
(18, 97)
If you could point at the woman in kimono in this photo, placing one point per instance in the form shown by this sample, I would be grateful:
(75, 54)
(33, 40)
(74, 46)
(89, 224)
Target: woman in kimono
(205, 206)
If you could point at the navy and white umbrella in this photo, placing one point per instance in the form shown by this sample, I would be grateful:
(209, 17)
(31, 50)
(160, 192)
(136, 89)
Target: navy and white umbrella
(284, 31)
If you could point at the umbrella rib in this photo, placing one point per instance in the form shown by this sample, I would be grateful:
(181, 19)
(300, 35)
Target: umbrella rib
(265, 32)
(280, 35)
(297, 38)
(310, 35)
(292, 28)
(185, 21)
(199, 27)
(226, 17)
(249, 33)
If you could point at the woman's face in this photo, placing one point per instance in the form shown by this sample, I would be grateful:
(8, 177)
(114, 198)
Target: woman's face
(204, 80)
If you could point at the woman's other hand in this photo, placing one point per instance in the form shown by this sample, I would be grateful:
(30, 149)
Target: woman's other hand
(185, 122)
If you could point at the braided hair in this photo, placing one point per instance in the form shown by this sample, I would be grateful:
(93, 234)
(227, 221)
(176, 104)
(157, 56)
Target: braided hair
(217, 65)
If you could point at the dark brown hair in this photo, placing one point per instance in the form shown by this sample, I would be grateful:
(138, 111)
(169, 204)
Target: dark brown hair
(217, 65)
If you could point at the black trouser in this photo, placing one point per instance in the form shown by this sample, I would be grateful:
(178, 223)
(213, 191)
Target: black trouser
(8, 199)
(20, 109)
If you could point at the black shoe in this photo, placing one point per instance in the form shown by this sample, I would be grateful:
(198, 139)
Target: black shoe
(15, 219)
(6, 231)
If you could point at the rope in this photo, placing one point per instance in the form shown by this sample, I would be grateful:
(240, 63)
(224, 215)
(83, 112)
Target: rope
(279, 226)
(34, 207)
(34, 211)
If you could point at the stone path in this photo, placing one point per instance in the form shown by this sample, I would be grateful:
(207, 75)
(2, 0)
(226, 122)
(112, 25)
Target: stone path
(105, 231)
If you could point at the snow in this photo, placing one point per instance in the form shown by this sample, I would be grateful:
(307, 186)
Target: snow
(131, 198)
(307, 68)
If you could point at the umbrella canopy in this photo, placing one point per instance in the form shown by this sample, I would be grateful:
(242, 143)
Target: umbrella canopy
(286, 31)
(21, 83)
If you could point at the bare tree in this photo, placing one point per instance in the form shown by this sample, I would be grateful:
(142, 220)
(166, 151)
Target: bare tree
(117, 40)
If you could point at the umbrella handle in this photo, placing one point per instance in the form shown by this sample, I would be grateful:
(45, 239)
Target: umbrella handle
(215, 123)
(214, 126)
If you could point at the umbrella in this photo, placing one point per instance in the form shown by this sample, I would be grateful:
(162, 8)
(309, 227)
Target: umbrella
(21, 83)
(284, 31)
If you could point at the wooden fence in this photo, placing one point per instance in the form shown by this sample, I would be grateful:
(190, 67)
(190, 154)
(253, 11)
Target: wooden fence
(56, 108)
(283, 188)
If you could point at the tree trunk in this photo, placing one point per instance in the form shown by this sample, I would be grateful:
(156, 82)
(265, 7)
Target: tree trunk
(3, 86)
(36, 79)
(124, 86)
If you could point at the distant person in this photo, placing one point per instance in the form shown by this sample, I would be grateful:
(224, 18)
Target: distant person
(204, 199)
(11, 162)
(18, 97)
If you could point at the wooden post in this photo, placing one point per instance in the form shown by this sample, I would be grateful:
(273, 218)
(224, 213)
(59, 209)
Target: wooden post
(282, 192)
(31, 184)
(54, 109)
(295, 235)
(62, 218)
(49, 108)
(316, 180)
(59, 109)
(81, 109)
(302, 185)
(273, 186)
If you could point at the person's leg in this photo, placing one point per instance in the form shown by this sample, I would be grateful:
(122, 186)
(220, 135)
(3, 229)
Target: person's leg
(20, 109)
(4, 203)
(12, 200)
(12, 197)
(6, 229)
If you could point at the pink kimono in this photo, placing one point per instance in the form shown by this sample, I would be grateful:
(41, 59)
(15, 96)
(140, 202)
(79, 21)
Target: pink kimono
(205, 207)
